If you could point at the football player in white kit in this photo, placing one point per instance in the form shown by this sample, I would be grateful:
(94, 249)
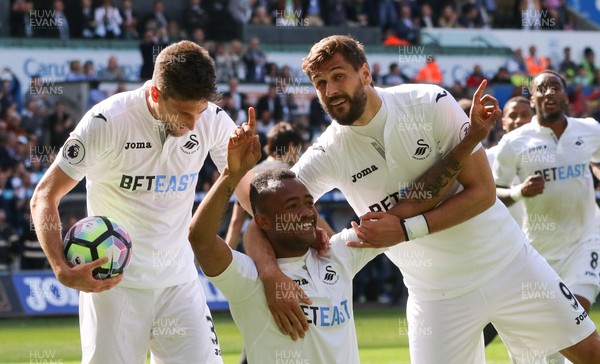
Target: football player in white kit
(141, 152)
(562, 220)
(284, 210)
(466, 262)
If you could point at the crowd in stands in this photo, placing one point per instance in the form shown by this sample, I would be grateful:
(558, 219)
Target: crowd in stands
(34, 122)
(223, 20)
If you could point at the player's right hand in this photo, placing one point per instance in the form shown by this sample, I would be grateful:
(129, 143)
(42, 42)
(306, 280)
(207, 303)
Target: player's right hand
(243, 149)
(377, 230)
(532, 186)
(284, 297)
(80, 277)
(483, 115)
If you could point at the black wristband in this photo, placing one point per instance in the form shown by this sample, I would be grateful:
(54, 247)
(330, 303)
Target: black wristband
(404, 229)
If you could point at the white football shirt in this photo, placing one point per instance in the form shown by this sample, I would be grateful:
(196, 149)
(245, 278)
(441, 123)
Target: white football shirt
(517, 209)
(567, 209)
(422, 124)
(331, 337)
(147, 187)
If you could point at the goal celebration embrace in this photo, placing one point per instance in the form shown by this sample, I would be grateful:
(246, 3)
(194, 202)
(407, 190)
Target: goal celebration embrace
(435, 212)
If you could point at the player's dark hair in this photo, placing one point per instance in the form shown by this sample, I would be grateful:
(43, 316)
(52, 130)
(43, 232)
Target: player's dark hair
(280, 137)
(185, 71)
(352, 50)
(266, 183)
(550, 72)
(518, 99)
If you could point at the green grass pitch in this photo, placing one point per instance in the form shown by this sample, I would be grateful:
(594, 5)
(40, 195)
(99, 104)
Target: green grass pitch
(381, 337)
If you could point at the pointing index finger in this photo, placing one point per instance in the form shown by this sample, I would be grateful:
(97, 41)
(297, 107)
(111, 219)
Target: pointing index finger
(479, 92)
(252, 119)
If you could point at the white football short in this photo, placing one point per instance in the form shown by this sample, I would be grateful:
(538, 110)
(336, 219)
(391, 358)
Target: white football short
(580, 270)
(119, 325)
(531, 308)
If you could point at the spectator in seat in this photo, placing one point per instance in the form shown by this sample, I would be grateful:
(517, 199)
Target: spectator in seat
(130, 20)
(255, 60)
(108, 20)
(448, 18)
(567, 67)
(588, 64)
(534, 63)
(430, 73)
(476, 77)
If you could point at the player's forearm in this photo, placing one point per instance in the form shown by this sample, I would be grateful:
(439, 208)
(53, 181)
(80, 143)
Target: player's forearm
(46, 219)
(504, 195)
(259, 248)
(459, 208)
(211, 253)
(431, 187)
(238, 217)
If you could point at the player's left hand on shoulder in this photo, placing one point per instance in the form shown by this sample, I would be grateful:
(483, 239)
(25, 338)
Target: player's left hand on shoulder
(377, 230)
(484, 114)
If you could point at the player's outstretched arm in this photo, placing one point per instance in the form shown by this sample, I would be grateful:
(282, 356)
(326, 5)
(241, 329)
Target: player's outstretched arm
(212, 253)
(44, 209)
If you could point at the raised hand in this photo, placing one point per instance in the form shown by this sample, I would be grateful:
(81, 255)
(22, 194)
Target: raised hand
(483, 115)
(243, 150)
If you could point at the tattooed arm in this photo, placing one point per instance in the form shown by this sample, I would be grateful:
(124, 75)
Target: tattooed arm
(472, 171)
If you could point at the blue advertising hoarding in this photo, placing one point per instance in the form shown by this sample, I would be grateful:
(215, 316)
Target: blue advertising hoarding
(40, 293)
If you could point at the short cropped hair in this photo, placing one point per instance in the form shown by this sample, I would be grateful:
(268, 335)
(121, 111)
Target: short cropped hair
(550, 72)
(185, 71)
(518, 99)
(352, 50)
(266, 183)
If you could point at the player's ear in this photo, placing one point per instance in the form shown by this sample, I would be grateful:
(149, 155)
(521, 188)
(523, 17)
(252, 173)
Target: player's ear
(261, 220)
(154, 92)
(365, 74)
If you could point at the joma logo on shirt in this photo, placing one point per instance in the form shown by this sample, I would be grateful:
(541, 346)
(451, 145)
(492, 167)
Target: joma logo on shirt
(363, 173)
(137, 145)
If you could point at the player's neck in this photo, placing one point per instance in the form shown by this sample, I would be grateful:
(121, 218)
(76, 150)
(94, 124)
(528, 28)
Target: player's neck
(373, 105)
(558, 126)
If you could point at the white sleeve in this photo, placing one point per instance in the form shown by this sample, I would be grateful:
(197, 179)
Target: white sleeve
(89, 143)
(315, 170)
(354, 259)
(222, 129)
(450, 123)
(505, 166)
(596, 155)
(239, 280)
